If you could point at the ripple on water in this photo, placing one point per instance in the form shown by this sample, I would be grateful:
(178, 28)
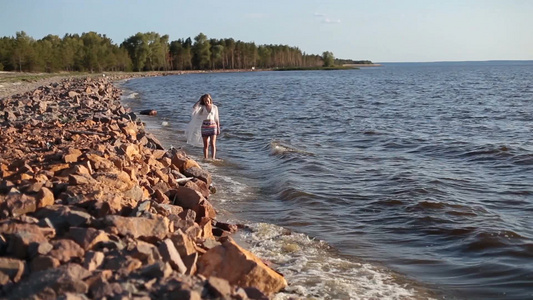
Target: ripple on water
(419, 164)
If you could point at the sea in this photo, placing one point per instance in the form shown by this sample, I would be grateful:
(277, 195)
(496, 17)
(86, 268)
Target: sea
(403, 181)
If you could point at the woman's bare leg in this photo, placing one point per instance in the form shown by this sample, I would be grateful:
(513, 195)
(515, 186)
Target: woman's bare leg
(206, 145)
(214, 145)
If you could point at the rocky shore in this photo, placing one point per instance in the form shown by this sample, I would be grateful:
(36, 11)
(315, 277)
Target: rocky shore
(93, 207)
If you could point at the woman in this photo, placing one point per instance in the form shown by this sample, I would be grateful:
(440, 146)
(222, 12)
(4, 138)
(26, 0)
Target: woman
(204, 126)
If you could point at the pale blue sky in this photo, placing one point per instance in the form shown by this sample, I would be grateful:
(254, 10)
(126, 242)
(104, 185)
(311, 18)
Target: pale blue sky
(377, 30)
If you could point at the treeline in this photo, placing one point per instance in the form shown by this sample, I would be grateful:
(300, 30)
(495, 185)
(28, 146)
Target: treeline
(90, 52)
(93, 52)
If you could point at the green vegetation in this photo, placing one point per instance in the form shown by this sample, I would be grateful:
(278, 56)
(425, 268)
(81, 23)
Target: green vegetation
(329, 59)
(92, 52)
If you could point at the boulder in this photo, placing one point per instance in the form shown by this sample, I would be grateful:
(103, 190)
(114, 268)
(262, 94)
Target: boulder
(192, 199)
(12, 267)
(198, 173)
(158, 269)
(170, 254)
(19, 204)
(145, 252)
(102, 289)
(184, 245)
(99, 163)
(64, 279)
(62, 217)
(117, 180)
(93, 260)
(22, 238)
(240, 267)
(167, 210)
(64, 250)
(72, 155)
(45, 197)
(120, 264)
(139, 227)
(131, 151)
(218, 287)
(87, 238)
(199, 186)
(44, 262)
(148, 112)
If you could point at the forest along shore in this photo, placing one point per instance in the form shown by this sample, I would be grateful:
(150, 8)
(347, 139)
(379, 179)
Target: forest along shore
(91, 205)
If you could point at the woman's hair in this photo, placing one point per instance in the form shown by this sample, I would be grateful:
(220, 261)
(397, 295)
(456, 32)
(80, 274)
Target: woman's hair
(201, 101)
(205, 97)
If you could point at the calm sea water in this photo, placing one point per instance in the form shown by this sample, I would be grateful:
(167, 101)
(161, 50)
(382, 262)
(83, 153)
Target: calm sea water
(406, 181)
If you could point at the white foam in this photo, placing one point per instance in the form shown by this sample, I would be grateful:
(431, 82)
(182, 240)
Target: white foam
(313, 272)
(132, 96)
(227, 188)
(277, 147)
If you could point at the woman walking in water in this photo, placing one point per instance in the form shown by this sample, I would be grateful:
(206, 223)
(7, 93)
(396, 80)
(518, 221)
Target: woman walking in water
(204, 126)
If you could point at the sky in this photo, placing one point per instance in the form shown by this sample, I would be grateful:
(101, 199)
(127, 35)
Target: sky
(376, 30)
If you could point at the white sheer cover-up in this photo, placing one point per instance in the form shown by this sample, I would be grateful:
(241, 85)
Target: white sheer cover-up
(199, 114)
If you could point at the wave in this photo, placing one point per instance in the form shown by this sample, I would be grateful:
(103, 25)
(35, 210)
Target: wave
(471, 152)
(405, 177)
(130, 95)
(237, 134)
(315, 271)
(278, 148)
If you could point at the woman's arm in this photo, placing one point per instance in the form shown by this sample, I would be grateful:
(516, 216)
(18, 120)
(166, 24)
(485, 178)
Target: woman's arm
(197, 104)
(217, 120)
(197, 108)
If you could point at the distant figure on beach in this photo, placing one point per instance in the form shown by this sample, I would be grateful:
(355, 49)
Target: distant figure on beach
(204, 125)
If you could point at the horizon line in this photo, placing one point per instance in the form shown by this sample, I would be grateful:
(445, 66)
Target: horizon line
(454, 61)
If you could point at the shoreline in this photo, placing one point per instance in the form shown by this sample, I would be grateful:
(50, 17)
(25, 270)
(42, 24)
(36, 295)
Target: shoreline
(87, 195)
(12, 83)
(263, 238)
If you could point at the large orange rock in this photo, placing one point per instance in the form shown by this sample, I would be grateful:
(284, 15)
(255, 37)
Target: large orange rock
(170, 254)
(198, 173)
(140, 227)
(64, 250)
(119, 180)
(183, 243)
(64, 279)
(193, 200)
(87, 238)
(240, 267)
(199, 186)
(19, 204)
(45, 197)
(186, 197)
(14, 268)
(130, 129)
(99, 163)
(130, 150)
(72, 155)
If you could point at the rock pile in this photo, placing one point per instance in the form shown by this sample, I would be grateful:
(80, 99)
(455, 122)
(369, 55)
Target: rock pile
(92, 206)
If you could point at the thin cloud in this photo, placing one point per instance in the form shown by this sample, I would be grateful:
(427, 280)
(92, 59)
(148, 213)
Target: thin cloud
(330, 21)
(325, 19)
